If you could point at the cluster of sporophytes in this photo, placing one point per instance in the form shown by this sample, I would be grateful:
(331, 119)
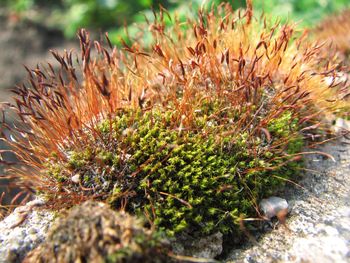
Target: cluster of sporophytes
(332, 31)
(335, 30)
(190, 134)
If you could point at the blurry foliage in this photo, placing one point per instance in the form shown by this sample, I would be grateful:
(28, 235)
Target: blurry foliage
(21, 6)
(308, 12)
(70, 15)
(112, 15)
(101, 14)
(183, 10)
(18, 5)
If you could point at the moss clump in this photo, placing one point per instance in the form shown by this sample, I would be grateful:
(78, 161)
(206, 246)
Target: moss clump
(199, 180)
(92, 232)
(191, 133)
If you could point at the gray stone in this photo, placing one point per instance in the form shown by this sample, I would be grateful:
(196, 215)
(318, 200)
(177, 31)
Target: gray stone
(23, 230)
(327, 249)
(206, 247)
(341, 126)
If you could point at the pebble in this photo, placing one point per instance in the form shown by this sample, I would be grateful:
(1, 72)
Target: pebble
(76, 178)
(273, 206)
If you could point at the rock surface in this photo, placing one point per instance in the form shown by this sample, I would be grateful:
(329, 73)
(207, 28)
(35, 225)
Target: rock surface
(318, 227)
(206, 248)
(23, 230)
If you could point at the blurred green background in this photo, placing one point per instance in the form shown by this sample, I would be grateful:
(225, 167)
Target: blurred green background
(112, 15)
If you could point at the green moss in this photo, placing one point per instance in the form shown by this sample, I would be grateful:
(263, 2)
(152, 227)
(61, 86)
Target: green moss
(281, 126)
(105, 157)
(77, 159)
(56, 171)
(146, 248)
(184, 181)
